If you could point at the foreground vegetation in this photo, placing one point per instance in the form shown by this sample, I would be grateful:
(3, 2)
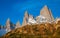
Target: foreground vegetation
(45, 30)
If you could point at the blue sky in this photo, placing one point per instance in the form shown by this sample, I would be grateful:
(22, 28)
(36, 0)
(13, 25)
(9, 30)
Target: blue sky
(14, 9)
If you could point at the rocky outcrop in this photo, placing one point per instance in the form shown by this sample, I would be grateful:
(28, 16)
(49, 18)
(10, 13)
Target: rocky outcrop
(31, 20)
(8, 25)
(17, 25)
(46, 13)
(25, 18)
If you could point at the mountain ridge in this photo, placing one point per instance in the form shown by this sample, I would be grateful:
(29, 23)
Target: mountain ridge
(44, 17)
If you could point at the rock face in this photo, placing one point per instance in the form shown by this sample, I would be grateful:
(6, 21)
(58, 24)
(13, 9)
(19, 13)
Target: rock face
(8, 25)
(41, 19)
(31, 20)
(17, 25)
(45, 16)
(25, 18)
(46, 13)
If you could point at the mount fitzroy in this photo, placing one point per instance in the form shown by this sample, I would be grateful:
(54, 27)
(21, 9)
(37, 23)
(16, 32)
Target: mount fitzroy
(32, 26)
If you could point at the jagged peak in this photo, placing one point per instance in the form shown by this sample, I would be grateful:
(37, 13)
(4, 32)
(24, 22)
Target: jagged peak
(8, 25)
(51, 14)
(46, 13)
(45, 8)
(17, 24)
(26, 13)
(25, 18)
(8, 20)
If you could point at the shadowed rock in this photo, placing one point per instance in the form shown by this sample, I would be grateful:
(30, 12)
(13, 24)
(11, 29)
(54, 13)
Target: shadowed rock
(17, 25)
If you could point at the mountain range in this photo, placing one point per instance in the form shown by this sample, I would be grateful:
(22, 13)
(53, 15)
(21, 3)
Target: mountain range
(44, 17)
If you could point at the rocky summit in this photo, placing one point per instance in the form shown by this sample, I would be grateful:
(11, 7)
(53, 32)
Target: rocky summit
(46, 13)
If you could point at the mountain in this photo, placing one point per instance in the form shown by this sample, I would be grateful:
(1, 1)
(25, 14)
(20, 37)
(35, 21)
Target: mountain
(6, 28)
(46, 13)
(9, 25)
(43, 25)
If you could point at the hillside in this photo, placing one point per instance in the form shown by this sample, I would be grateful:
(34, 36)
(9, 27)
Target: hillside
(43, 30)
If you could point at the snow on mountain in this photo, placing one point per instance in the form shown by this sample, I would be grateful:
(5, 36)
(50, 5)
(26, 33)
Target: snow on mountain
(31, 20)
(41, 19)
